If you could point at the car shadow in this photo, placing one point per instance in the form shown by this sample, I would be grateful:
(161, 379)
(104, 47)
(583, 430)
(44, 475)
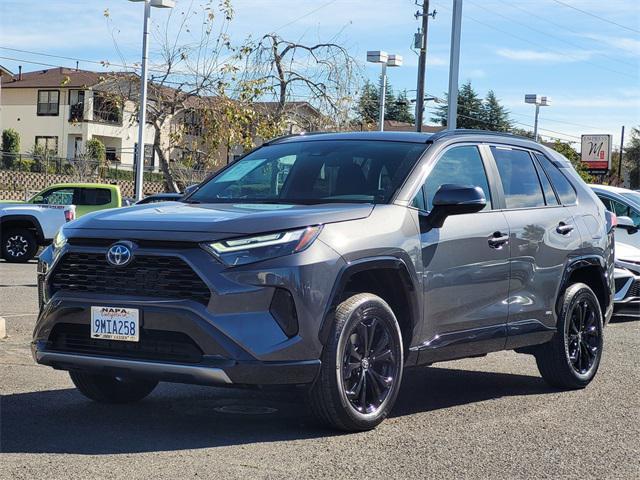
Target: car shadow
(178, 417)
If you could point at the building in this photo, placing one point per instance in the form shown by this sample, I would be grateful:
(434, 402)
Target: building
(60, 109)
(4, 76)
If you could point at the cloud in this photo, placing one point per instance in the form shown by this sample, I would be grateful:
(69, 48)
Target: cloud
(622, 44)
(538, 56)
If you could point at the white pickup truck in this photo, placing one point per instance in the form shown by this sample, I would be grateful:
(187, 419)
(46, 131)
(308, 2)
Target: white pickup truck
(25, 227)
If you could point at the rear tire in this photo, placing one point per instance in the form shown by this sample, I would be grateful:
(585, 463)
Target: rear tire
(107, 389)
(362, 366)
(571, 359)
(19, 245)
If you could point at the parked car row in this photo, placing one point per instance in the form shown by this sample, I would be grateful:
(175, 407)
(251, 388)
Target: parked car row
(26, 226)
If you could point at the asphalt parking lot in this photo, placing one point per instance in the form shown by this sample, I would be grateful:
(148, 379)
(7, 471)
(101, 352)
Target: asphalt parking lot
(478, 418)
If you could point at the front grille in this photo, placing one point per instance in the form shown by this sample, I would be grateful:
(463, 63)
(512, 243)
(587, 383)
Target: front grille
(146, 276)
(153, 344)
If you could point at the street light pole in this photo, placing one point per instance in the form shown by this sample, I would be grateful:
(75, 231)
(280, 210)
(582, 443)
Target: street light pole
(538, 101)
(379, 56)
(383, 94)
(142, 110)
(454, 65)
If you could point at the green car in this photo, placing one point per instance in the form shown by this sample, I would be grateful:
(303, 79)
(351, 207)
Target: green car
(87, 197)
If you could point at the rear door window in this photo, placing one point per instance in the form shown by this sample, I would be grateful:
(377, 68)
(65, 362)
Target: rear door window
(519, 178)
(95, 196)
(563, 188)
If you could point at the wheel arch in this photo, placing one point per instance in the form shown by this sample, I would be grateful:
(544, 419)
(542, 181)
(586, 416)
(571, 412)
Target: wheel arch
(389, 278)
(592, 271)
(23, 221)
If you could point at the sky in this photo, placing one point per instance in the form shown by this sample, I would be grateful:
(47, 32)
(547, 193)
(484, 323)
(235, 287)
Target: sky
(586, 59)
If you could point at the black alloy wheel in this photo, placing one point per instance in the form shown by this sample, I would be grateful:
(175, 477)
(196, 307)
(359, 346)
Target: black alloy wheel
(369, 367)
(583, 336)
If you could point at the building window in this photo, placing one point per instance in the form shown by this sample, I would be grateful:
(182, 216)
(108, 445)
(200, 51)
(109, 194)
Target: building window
(49, 144)
(111, 154)
(106, 109)
(76, 105)
(192, 123)
(149, 154)
(48, 102)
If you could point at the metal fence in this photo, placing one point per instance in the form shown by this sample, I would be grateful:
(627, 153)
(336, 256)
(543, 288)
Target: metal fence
(77, 167)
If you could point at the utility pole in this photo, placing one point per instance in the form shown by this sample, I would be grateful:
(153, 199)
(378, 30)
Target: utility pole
(620, 157)
(383, 94)
(422, 61)
(142, 109)
(454, 65)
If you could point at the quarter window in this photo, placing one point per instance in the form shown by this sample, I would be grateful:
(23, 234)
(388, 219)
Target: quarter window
(48, 102)
(519, 178)
(563, 188)
(459, 165)
(549, 194)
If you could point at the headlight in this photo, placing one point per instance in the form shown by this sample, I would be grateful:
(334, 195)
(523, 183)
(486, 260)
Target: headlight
(59, 240)
(240, 251)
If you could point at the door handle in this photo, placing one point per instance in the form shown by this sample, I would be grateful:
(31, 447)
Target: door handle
(497, 240)
(564, 229)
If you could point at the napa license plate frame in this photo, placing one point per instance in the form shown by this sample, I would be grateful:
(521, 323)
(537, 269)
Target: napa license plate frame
(115, 323)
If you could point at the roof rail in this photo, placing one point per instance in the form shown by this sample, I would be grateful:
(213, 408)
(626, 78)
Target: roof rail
(290, 135)
(469, 131)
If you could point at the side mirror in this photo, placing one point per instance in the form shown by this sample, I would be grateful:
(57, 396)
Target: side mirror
(627, 224)
(452, 199)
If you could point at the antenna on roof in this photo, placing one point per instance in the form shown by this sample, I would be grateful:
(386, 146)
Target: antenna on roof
(19, 72)
(77, 64)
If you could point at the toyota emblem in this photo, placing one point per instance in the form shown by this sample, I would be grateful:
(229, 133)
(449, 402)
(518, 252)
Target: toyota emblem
(119, 255)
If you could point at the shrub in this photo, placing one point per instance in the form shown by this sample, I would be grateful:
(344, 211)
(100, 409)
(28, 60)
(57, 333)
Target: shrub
(96, 150)
(10, 146)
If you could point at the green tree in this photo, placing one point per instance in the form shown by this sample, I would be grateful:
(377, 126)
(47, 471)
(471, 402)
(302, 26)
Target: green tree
(574, 157)
(631, 158)
(10, 146)
(368, 106)
(470, 110)
(495, 116)
(395, 108)
(400, 109)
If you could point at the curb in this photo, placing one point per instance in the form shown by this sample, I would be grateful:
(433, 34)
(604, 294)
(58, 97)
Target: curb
(3, 328)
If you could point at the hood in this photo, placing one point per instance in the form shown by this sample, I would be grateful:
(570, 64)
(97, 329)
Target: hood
(211, 219)
(624, 251)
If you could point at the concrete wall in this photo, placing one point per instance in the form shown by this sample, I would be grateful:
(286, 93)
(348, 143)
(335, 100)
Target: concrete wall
(14, 185)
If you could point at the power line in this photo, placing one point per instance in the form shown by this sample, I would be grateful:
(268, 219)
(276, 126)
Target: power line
(523, 39)
(597, 16)
(304, 16)
(495, 12)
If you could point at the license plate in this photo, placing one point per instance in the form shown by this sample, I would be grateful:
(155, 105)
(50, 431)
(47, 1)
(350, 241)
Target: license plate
(115, 323)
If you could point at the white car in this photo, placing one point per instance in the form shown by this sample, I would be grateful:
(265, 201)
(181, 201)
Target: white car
(626, 205)
(24, 227)
(627, 281)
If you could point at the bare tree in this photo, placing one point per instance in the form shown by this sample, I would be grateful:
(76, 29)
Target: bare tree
(195, 75)
(322, 74)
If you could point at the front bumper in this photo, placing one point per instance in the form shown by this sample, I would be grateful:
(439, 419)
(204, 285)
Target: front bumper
(627, 296)
(214, 372)
(235, 336)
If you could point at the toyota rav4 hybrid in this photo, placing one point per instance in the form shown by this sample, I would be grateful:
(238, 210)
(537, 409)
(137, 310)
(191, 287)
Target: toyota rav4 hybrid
(334, 262)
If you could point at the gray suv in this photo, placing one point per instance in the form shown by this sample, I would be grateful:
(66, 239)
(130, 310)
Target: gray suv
(334, 261)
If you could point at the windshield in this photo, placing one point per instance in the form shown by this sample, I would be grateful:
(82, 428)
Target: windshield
(633, 196)
(314, 172)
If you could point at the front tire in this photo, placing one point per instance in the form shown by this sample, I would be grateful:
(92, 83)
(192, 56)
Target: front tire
(108, 389)
(19, 246)
(362, 365)
(571, 359)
